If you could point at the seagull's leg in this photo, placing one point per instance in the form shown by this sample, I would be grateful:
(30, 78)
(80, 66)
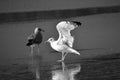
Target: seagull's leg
(61, 58)
(31, 55)
(64, 56)
(32, 47)
(38, 49)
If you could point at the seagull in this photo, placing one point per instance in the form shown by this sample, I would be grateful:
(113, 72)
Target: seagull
(65, 41)
(35, 39)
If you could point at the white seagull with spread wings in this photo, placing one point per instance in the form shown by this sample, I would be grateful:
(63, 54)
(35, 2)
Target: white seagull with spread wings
(65, 41)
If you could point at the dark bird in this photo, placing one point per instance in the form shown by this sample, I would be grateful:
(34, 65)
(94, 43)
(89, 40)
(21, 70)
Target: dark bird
(35, 39)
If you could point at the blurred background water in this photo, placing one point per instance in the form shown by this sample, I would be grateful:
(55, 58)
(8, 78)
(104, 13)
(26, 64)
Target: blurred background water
(97, 40)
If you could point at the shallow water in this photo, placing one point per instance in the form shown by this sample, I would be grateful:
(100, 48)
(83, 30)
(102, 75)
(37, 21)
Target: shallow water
(94, 41)
(88, 69)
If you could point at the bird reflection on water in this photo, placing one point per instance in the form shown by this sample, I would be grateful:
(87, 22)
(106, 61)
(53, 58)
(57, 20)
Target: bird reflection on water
(53, 71)
(35, 64)
(67, 72)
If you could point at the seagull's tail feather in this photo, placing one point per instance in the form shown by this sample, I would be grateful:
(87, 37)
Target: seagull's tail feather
(73, 51)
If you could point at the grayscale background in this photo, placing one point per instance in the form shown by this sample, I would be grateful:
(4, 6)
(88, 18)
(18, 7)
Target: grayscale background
(97, 39)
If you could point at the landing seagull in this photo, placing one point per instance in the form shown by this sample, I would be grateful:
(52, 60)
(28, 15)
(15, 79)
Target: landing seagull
(65, 41)
(35, 39)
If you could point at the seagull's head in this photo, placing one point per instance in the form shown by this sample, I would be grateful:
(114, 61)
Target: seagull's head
(50, 40)
(37, 29)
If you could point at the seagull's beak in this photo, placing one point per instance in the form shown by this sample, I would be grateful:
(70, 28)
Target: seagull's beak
(39, 29)
(42, 30)
(46, 41)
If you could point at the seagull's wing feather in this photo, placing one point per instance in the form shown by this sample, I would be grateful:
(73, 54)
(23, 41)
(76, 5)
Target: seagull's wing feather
(31, 36)
(67, 40)
(65, 37)
(30, 40)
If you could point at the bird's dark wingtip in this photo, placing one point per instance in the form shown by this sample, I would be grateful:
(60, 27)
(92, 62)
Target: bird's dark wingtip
(78, 23)
(28, 44)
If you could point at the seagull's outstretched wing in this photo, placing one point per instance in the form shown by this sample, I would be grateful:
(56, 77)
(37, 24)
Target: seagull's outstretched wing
(65, 36)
